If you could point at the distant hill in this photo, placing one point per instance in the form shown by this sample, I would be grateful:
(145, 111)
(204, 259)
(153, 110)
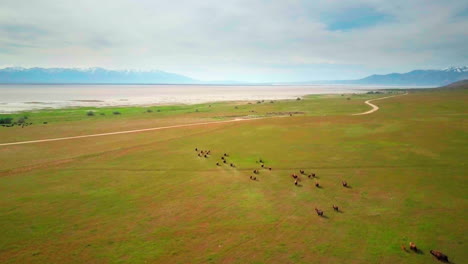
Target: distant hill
(463, 84)
(417, 77)
(89, 75)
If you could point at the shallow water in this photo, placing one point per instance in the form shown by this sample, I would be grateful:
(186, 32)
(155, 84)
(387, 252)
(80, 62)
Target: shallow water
(14, 98)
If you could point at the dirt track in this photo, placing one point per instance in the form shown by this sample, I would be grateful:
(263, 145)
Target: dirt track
(374, 107)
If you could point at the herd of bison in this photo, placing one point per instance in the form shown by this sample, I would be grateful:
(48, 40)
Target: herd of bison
(224, 160)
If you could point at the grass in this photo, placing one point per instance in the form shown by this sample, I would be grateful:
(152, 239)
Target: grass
(148, 197)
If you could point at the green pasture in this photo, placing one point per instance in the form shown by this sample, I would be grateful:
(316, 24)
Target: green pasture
(148, 198)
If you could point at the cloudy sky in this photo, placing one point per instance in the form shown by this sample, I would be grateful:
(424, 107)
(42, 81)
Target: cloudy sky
(248, 40)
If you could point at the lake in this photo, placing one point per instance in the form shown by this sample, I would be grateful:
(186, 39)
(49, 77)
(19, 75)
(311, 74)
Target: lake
(19, 97)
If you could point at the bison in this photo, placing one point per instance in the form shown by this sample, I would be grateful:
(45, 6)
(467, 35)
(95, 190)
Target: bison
(439, 255)
(413, 247)
(319, 212)
(344, 183)
(336, 208)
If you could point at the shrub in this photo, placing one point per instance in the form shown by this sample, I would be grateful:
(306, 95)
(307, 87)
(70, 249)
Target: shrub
(149, 111)
(21, 120)
(116, 113)
(298, 99)
(90, 113)
(5, 120)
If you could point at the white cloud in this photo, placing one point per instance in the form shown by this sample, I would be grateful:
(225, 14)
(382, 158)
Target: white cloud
(247, 40)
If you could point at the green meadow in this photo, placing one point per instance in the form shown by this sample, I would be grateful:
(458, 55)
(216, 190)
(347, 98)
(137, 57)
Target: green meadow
(149, 198)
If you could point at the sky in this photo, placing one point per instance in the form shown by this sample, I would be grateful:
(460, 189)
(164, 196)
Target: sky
(243, 40)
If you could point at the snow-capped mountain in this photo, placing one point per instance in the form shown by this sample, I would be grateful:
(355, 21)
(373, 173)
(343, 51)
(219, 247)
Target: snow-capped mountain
(88, 75)
(418, 77)
(456, 69)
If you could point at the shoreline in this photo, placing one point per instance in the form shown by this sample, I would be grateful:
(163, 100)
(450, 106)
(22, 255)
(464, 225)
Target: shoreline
(30, 98)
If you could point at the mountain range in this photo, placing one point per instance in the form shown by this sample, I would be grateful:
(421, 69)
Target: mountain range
(417, 77)
(100, 76)
(89, 75)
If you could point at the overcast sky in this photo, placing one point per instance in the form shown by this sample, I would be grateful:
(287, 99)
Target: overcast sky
(250, 40)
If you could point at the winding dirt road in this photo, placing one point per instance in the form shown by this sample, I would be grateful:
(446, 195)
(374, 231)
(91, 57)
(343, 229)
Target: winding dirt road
(374, 108)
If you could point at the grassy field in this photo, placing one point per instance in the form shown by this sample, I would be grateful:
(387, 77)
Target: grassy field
(148, 198)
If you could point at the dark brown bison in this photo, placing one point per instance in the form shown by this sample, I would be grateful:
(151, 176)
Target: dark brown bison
(232, 165)
(196, 149)
(319, 212)
(261, 161)
(317, 185)
(206, 156)
(296, 182)
(301, 171)
(222, 158)
(294, 176)
(344, 183)
(225, 155)
(255, 171)
(224, 161)
(336, 208)
(439, 255)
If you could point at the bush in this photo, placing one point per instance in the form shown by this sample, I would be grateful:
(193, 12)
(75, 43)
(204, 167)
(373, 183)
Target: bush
(149, 111)
(21, 120)
(5, 120)
(116, 113)
(90, 113)
(298, 99)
